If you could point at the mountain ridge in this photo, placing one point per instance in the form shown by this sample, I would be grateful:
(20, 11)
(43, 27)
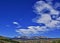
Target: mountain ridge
(24, 39)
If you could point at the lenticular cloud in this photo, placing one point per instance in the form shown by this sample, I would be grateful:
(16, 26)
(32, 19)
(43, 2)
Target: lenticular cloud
(47, 16)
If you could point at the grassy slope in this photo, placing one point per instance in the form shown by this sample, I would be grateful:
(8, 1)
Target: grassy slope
(7, 40)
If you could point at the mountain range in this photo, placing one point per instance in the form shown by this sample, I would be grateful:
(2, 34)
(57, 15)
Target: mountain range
(25, 39)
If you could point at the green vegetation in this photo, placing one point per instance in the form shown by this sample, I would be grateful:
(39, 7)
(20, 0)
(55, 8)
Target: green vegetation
(58, 41)
(7, 40)
(53, 41)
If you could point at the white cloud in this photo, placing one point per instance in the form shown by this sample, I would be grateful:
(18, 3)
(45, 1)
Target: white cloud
(32, 30)
(42, 18)
(45, 18)
(16, 23)
(36, 29)
(54, 12)
(58, 18)
(40, 5)
(52, 24)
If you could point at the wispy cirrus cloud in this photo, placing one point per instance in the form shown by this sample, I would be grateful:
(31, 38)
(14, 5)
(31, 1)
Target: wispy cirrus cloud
(32, 30)
(51, 19)
(17, 24)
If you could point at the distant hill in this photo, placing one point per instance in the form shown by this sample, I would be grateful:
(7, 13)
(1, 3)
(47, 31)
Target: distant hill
(25, 39)
(30, 38)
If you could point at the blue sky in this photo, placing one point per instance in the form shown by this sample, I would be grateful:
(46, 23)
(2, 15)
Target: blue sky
(20, 11)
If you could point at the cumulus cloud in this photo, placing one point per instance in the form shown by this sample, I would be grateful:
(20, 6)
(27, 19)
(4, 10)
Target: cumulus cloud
(44, 17)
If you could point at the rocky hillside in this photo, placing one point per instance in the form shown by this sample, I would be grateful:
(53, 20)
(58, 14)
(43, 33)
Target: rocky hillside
(29, 38)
